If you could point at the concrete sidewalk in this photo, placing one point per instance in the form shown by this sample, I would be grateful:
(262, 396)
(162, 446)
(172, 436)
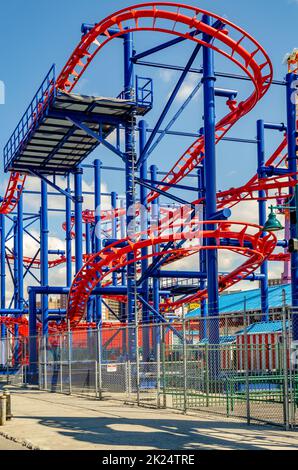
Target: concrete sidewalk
(51, 421)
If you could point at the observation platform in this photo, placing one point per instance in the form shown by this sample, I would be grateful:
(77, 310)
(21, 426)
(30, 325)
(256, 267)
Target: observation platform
(51, 137)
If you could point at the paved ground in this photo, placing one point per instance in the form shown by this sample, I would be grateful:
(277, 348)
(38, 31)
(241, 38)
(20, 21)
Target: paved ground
(52, 421)
(5, 444)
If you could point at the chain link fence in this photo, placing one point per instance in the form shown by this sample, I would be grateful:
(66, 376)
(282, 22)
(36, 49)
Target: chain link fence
(248, 371)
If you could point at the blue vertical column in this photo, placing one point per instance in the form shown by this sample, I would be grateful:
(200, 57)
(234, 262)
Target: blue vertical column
(210, 182)
(20, 232)
(203, 255)
(68, 235)
(78, 177)
(33, 341)
(98, 242)
(114, 197)
(262, 217)
(16, 284)
(144, 228)
(292, 165)
(44, 255)
(2, 269)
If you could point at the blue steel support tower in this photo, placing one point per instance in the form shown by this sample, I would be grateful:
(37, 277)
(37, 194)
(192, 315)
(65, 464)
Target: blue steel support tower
(210, 182)
(44, 251)
(144, 227)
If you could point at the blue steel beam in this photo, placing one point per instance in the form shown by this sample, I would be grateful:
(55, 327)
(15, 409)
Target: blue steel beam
(97, 231)
(203, 254)
(78, 219)
(292, 165)
(20, 232)
(68, 235)
(144, 228)
(136, 57)
(96, 136)
(114, 197)
(164, 193)
(211, 201)
(169, 104)
(44, 252)
(2, 269)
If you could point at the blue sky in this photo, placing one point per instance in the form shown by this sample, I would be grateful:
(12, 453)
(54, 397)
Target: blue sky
(35, 34)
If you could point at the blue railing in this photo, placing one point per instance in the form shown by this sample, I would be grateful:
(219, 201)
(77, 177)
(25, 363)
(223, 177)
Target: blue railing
(31, 118)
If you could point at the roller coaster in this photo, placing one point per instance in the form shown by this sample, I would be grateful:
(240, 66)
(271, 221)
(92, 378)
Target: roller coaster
(60, 129)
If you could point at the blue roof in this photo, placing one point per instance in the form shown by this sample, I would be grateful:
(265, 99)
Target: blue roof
(234, 302)
(264, 327)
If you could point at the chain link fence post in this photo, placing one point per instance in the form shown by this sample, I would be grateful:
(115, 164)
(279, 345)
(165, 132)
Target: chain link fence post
(293, 385)
(184, 363)
(158, 371)
(99, 363)
(7, 357)
(45, 369)
(69, 342)
(246, 364)
(61, 362)
(286, 403)
(39, 362)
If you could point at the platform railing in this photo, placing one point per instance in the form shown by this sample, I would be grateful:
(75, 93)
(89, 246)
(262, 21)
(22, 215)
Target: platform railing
(31, 118)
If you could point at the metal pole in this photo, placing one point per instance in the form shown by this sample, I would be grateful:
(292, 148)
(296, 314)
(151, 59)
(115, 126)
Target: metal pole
(246, 353)
(137, 360)
(20, 234)
(61, 362)
(90, 302)
(285, 352)
(68, 235)
(158, 368)
(16, 283)
(156, 282)
(79, 218)
(144, 228)
(44, 247)
(99, 362)
(33, 351)
(292, 165)
(262, 217)
(2, 410)
(184, 362)
(130, 164)
(69, 339)
(211, 206)
(164, 371)
(210, 181)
